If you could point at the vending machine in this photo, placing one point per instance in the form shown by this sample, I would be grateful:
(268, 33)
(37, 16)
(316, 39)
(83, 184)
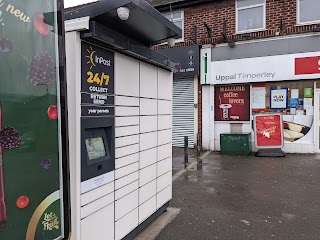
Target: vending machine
(120, 114)
(34, 200)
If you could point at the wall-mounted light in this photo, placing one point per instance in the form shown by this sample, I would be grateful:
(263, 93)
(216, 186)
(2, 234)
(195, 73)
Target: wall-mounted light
(123, 13)
(171, 42)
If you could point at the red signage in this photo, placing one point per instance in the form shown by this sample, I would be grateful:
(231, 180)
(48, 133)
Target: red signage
(307, 65)
(268, 131)
(232, 103)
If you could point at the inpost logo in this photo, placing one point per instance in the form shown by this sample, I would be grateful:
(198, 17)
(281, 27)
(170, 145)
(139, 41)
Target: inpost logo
(94, 59)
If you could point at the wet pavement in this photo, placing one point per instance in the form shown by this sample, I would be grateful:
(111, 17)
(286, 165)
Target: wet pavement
(232, 197)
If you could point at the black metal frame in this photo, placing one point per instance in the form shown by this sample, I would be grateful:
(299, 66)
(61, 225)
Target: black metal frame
(64, 120)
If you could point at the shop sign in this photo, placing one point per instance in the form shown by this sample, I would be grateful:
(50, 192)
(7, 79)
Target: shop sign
(268, 131)
(307, 65)
(187, 60)
(232, 103)
(97, 69)
(279, 98)
(265, 69)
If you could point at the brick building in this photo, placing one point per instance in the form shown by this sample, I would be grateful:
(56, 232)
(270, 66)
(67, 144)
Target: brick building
(263, 46)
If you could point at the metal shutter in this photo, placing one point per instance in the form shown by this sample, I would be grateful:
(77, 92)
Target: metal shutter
(183, 112)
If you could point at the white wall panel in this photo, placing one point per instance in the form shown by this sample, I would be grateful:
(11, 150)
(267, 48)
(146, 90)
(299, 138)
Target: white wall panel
(126, 70)
(125, 225)
(147, 191)
(123, 161)
(164, 107)
(164, 122)
(148, 106)
(148, 80)
(147, 174)
(164, 137)
(148, 157)
(126, 204)
(147, 209)
(164, 84)
(99, 226)
(148, 124)
(148, 140)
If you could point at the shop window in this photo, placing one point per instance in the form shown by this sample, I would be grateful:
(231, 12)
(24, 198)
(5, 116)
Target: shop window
(308, 11)
(250, 15)
(177, 18)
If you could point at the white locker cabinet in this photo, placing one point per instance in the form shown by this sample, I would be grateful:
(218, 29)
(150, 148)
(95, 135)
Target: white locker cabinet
(126, 101)
(164, 196)
(147, 191)
(148, 80)
(148, 107)
(126, 224)
(164, 122)
(123, 161)
(142, 174)
(148, 140)
(148, 124)
(99, 226)
(164, 181)
(164, 137)
(164, 166)
(126, 121)
(96, 205)
(126, 204)
(148, 157)
(119, 183)
(164, 151)
(127, 150)
(126, 190)
(126, 131)
(147, 174)
(147, 209)
(97, 193)
(165, 84)
(127, 140)
(121, 172)
(127, 82)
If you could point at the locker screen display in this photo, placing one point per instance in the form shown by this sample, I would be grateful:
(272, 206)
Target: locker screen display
(95, 148)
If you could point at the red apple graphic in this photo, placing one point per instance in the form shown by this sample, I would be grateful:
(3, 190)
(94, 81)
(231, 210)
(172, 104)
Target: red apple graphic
(53, 112)
(41, 24)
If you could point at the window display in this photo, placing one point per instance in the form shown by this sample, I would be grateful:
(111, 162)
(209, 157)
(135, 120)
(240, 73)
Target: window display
(33, 156)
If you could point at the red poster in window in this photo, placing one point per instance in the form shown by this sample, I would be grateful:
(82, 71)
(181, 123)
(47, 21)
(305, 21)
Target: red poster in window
(232, 103)
(268, 131)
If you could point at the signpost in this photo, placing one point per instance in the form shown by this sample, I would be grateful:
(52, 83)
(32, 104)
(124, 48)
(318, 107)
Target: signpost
(268, 130)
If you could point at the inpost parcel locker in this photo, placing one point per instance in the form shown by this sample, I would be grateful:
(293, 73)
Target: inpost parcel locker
(120, 113)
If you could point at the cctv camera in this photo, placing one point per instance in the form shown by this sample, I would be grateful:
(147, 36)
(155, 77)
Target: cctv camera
(123, 13)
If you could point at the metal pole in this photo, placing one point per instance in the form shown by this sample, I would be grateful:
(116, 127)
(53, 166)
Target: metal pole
(198, 144)
(186, 149)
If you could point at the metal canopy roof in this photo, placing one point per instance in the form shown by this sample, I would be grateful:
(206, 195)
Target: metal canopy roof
(145, 24)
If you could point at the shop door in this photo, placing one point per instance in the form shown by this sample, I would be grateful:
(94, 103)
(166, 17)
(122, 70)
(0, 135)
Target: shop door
(183, 112)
